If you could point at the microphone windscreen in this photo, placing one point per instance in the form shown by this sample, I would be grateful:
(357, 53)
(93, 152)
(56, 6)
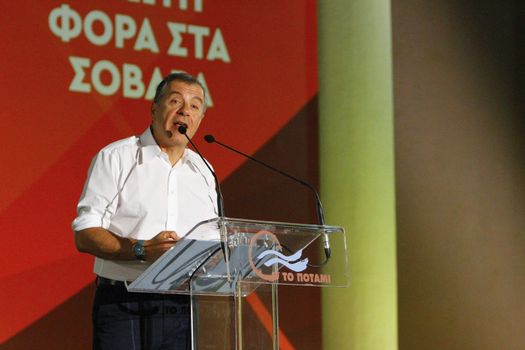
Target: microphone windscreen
(209, 138)
(182, 129)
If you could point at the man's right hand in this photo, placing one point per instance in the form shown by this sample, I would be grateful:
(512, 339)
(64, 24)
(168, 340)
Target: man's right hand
(159, 244)
(106, 245)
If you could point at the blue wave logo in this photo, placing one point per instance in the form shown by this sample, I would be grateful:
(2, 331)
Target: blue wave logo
(288, 261)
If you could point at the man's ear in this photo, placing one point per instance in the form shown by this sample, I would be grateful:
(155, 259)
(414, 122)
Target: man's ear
(153, 108)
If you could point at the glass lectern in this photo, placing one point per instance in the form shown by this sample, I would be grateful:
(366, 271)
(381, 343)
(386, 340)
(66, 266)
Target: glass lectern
(223, 261)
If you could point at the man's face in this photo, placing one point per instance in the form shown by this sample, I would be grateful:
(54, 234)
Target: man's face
(181, 104)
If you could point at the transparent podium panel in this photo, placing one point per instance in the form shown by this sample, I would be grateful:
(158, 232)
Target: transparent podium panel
(217, 318)
(257, 252)
(232, 268)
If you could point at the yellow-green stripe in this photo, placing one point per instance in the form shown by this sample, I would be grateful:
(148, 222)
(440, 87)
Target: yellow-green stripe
(357, 169)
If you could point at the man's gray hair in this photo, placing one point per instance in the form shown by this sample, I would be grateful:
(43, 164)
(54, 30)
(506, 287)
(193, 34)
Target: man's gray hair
(179, 76)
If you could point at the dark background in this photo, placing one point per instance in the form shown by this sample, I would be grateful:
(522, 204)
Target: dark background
(460, 173)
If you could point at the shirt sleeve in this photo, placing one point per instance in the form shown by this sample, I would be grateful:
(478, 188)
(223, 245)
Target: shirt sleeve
(100, 194)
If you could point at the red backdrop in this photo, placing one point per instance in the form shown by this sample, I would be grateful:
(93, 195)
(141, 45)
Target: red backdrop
(72, 80)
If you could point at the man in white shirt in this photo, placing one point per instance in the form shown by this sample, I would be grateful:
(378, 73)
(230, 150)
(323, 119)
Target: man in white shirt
(141, 195)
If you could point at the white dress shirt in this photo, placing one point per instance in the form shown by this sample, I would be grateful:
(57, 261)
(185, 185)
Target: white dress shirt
(133, 191)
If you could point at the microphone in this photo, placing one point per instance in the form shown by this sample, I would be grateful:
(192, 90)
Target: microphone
(220, 202)
(319, 206)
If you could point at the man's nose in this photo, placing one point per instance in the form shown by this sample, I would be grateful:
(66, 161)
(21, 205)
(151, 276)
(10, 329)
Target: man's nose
(184, 109)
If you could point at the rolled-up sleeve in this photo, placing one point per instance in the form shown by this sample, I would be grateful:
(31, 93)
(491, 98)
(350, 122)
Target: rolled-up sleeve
(100, 194)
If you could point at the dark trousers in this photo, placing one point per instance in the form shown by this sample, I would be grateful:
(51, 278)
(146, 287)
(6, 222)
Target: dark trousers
(139, 321)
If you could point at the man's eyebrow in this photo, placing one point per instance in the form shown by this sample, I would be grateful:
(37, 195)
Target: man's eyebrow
(178, 93)
(174, 92)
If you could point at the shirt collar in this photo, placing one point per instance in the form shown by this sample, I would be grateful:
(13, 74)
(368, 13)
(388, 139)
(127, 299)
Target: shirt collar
(195, 160)
(150, 149)
(148, 145)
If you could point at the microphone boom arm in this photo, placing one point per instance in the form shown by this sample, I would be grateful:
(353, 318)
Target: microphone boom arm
(320, 212)
(319, 206)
